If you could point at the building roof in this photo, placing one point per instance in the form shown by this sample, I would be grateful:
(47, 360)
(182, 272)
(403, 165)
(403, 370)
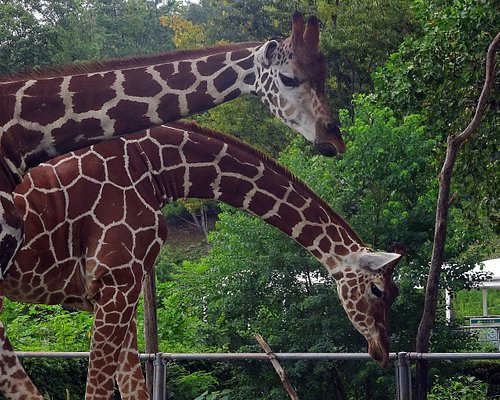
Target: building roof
(492, 267)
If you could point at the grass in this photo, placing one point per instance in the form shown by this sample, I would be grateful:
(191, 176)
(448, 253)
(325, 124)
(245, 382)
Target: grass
(470, 303)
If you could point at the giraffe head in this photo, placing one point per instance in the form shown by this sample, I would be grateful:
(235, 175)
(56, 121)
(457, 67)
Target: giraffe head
(291, 82)
(367, 291)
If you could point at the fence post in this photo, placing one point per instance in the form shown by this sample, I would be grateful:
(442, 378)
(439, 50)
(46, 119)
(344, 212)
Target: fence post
(403, 377)
(159, 378)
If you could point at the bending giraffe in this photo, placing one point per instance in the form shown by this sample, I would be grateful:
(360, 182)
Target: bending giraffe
(94, 228)
(52, 112)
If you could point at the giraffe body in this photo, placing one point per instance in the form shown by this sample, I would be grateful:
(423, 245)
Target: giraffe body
(94, 228)
(46, 114)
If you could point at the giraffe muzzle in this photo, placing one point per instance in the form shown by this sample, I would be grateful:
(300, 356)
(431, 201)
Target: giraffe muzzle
(326, 149)
(329, 141)
(379, 352)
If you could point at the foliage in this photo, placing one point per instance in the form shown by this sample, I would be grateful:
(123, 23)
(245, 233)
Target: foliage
(193, 385)
(184, 243)
(485, 371)
(186, 33)
(439, 74)
(459, 388)
(248, 119)
(385, 190)
(21, 37)
(354, 42)
(50, 328)
(256, 279)
(46, 328)
(132, 27)
(255, 268)
(250, 20)
(440, 70)
(173, 210)
(225, 394)
(182, 329)
(58, 379)
(34, 33)
(357, 42)
(469, 303)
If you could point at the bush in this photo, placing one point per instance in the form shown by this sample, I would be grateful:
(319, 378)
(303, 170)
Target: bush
(459, 388)
(58, 378)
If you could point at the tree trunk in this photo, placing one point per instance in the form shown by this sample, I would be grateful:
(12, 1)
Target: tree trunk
(431, 295)
(201, 222)
(339, 386)
(150, 324)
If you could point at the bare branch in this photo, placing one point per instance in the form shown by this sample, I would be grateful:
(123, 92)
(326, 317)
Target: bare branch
(278, 368)
(485, 93)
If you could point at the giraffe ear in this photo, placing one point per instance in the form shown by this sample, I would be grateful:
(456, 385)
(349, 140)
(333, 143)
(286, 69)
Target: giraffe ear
(378, 260)
(269, 49)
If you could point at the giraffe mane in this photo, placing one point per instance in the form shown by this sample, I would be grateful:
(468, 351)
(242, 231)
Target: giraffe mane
(126, 62)
(279, 168)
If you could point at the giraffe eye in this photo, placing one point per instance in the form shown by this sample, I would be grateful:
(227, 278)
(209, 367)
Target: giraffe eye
(376, 291)
(289, 81)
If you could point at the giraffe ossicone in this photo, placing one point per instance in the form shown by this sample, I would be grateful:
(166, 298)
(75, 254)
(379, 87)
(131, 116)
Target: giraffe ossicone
(52, 112)
(94, 228)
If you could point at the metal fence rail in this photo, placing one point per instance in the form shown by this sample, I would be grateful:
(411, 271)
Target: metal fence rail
(402, 362)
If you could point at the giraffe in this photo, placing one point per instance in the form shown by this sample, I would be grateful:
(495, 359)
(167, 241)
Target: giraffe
(94, 228)
(48, 113)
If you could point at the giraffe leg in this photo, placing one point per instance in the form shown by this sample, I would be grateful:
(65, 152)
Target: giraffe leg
(114, 311)
(129, 374)
(11, 231)
(15, 384)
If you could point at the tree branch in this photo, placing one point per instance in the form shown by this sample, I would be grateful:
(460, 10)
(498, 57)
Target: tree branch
(485, 93)
(278, 368)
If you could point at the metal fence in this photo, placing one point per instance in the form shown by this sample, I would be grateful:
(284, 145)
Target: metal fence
(402, 363)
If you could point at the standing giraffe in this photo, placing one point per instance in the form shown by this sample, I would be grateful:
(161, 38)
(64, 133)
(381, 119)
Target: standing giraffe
(94, 228)
(48, 113)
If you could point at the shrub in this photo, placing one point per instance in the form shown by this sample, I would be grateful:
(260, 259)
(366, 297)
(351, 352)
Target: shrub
(459, 388)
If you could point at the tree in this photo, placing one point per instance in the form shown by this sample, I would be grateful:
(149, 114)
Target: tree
(133, 27)
(250, 20)
(186, 33)
(36, 33)
(358, 37)
(383, 189)
(50, 328)
(438, 73)
(455, 142)
(260, 281)
(21, 37)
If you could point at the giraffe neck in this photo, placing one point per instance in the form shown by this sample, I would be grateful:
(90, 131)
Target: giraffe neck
(198, 163)
(70, 109)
